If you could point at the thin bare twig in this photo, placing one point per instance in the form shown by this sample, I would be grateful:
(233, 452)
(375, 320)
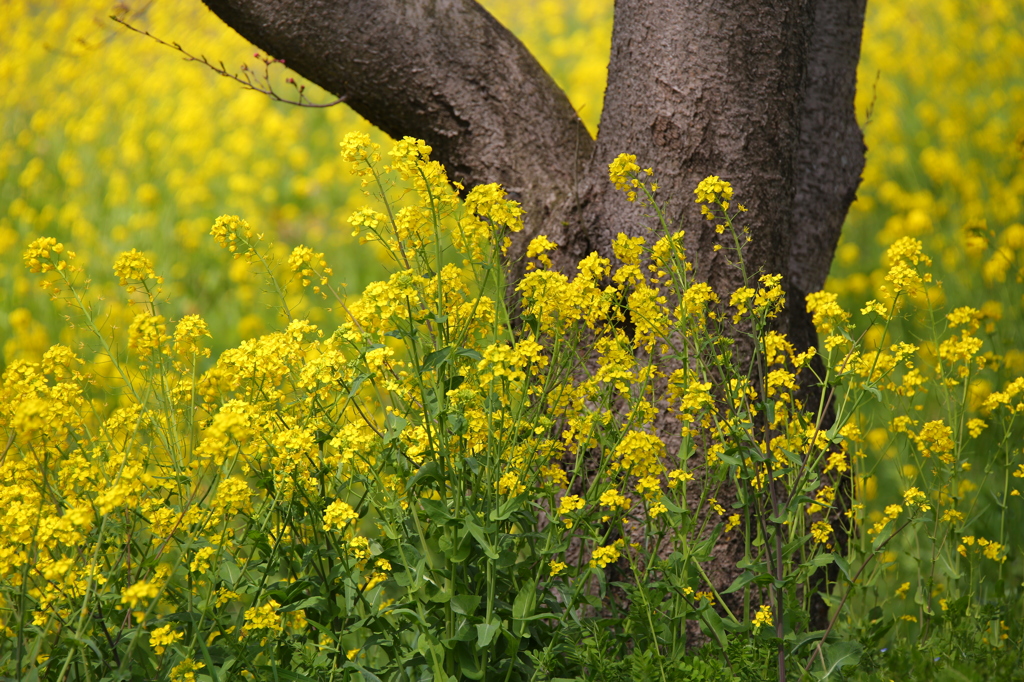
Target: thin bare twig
(247, 78)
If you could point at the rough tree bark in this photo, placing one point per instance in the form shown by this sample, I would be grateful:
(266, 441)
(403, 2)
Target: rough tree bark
(759, 92)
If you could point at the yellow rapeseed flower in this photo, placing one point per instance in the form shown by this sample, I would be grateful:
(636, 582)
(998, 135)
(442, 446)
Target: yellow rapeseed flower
(762, 617)
(608, 554)
(163, 637)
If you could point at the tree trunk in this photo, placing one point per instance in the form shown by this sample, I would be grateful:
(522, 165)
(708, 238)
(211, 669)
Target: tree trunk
(759, 92)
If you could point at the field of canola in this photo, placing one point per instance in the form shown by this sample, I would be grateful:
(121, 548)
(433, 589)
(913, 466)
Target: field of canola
(111, 142)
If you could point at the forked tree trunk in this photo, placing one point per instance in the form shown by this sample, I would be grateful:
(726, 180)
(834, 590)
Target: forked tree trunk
(759, 92)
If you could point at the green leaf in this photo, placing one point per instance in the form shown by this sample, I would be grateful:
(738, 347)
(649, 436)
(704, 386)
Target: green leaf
(702, 550)
(525, 601)
(799, 640)
(507, 557)
(437, 510)
(782, 518)
(462, 551)
(882, 537)
(731, 460)
(711, 620)
(229, 572)
(367, 675)
(469, 667)
(465, 604)
(428, 472)
(435, 358)
(389, 531)
(790, 547)
(431, 401)
(921, 601)
(532, 322)
(686, 450)
(670, 505)
(742, 580)
(452, 383)
(457, 423)
(441, 597)
(409, 612)
(793, 459)
(395, 425)
(951, 572)
(478, 534)
(523, 607)
(821, 560)
(469, 354)
(206, 658)
(505, 510)
(485, 633)
(356, 383)
(85, 641)
(879, 630)
(318, 603)
(838, 656)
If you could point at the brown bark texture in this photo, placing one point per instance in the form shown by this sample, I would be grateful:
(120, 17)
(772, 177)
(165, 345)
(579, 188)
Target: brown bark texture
(759, 92)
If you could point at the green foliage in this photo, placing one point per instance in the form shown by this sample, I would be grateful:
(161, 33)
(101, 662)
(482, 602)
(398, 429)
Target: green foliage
(435, 490)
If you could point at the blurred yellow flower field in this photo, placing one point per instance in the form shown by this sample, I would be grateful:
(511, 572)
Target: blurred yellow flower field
(941, 101)
(113, 142)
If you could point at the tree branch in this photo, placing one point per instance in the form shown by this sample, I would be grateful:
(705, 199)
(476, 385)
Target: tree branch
(444, 71)
(248, 79)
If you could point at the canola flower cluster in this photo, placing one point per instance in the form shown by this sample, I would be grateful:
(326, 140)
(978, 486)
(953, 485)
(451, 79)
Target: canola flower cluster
(426, 425)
